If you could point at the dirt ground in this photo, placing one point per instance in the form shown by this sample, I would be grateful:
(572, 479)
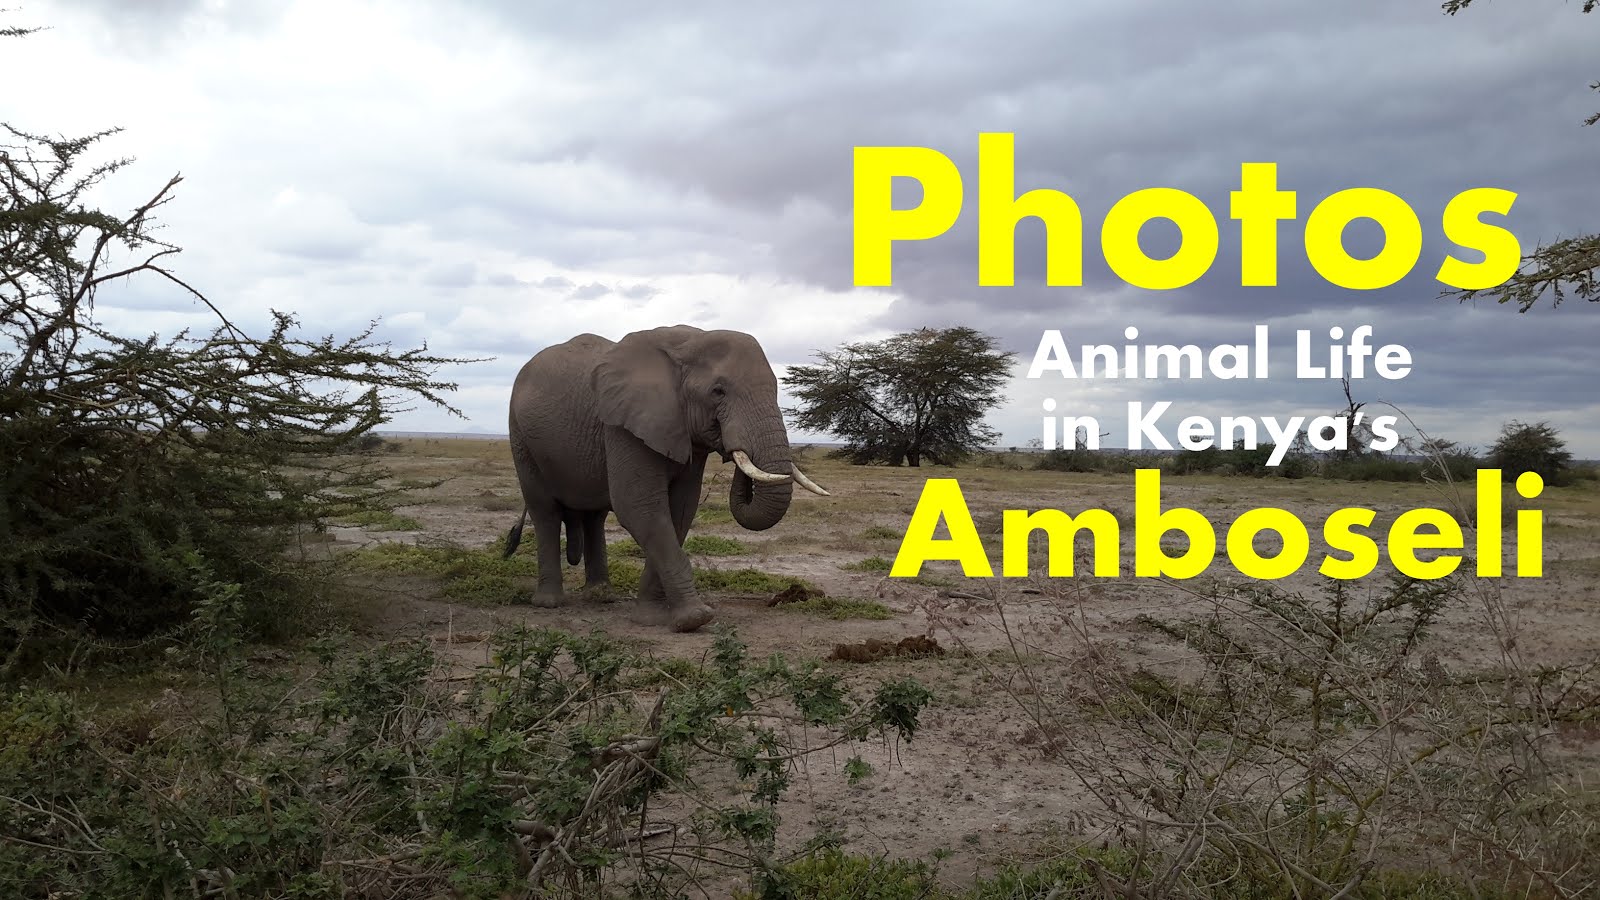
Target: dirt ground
(974, 781)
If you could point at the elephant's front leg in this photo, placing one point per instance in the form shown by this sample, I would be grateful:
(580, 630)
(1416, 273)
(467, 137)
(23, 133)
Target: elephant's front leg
(641, 494)
(684, 498)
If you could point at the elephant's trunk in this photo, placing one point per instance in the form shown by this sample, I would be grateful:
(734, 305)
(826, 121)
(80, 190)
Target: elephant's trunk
(757, 506)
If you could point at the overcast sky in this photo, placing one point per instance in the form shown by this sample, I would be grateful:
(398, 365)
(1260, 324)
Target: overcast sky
(495, 177)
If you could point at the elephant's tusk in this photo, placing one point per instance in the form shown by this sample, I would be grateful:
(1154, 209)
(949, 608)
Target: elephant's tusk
(756, 474)
(801, 479)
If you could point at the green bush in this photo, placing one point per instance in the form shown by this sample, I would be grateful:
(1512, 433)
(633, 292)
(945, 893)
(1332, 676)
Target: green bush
(1196, 462)
(140, 470)
(392, 775)
(1524, 447)
(1084, 460)
(834, 875)
(1374, 468)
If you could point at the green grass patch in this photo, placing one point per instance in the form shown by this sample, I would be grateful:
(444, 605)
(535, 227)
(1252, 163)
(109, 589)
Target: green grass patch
(870, 564)
(380, 520)
(627, 547)
(441, 560)
(745, 581)
(714, 514)
(624, 576)
(712, 545)
(841, 609)
(881, 533)
(696, 545)
(485, 590)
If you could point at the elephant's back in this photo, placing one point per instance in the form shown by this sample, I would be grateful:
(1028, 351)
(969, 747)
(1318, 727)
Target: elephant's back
(560, 369)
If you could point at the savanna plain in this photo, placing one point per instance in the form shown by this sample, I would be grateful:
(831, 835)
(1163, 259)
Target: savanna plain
(1071, 736)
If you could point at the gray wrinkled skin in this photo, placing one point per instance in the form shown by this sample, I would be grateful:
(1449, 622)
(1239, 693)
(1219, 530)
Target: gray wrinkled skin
(600, 426)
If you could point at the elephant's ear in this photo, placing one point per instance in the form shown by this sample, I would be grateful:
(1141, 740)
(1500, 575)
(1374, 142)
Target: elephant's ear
(636, 387)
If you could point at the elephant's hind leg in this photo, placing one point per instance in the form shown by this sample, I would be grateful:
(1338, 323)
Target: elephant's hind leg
(596, 569)
(546, 516)
(547, 532)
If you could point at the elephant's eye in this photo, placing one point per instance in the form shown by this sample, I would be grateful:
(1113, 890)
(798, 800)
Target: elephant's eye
(718, 391)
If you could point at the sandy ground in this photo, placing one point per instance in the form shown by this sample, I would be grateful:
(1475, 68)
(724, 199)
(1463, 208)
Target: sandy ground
(975, 780)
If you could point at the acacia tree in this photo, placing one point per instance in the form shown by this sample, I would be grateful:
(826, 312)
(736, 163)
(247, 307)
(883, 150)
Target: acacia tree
(1561, 268)
(921, 395)
(143, 475)
(1530, 447)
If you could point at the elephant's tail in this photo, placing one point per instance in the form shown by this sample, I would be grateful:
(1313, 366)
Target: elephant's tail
(515, 536)
(574, 523)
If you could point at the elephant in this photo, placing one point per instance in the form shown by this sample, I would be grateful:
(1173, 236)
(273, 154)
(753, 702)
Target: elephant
(599, 426)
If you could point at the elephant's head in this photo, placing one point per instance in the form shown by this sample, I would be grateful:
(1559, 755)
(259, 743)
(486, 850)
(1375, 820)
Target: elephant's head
(680, 388)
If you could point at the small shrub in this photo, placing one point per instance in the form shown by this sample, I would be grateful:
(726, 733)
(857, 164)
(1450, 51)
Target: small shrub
(1246, 461)
(834, 875)
(1196, 462)
(1085, 460)
(881, 533)
(668, 671)
(1524, 447)
(1296, 465)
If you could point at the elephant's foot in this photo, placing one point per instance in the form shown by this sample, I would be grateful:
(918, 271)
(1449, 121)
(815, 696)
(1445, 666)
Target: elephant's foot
(659, 598)
(599, 591)
(690, 615)
(546, 599)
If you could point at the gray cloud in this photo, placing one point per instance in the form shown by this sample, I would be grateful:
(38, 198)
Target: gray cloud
(502, 176)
